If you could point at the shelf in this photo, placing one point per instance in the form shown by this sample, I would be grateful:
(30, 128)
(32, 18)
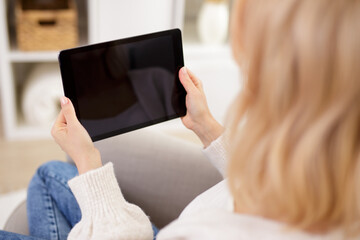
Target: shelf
(16, 66)
(190, 50)
(26, 132)
(20, 56)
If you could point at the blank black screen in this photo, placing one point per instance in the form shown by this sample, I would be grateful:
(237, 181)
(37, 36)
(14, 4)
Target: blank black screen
(120, 87)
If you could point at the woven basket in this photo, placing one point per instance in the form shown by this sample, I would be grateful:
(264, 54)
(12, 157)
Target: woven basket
(40, 30)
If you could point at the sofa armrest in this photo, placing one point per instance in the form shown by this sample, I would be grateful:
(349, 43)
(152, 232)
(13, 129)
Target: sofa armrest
(17, 222)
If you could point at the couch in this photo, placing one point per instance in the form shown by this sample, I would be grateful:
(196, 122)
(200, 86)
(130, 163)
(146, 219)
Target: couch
(158, 172)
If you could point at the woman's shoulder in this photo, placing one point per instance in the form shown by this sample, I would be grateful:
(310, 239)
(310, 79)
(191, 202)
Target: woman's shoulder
(219, 224)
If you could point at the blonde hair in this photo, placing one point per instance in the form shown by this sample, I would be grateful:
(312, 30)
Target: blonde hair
(295, 126)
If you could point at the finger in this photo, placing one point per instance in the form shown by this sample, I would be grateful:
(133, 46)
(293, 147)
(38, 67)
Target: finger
(60, 120)
(186, 80)
(67, 108)
(59, 123)
(194, 79)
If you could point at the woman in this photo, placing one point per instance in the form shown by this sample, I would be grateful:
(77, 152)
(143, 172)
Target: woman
(293, 139)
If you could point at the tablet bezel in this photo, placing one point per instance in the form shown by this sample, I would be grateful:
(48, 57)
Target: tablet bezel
(69, 83)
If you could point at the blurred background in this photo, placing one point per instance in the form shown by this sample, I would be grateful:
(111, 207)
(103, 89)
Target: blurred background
(33, 31)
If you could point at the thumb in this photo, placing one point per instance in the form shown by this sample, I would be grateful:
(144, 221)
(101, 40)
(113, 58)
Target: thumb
(68, 110)
(186, 80)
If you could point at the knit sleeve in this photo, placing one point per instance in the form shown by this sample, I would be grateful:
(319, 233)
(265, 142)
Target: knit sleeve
(105, 212)
(216, 153)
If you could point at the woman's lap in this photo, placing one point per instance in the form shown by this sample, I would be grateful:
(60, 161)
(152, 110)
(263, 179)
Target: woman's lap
(51, 207)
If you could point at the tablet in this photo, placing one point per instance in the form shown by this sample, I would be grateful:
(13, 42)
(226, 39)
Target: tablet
(126, 84)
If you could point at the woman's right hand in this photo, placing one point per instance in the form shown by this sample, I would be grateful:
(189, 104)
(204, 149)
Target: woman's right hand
(198, 117)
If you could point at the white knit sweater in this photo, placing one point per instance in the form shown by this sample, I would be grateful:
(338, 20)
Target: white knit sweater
(106, 214)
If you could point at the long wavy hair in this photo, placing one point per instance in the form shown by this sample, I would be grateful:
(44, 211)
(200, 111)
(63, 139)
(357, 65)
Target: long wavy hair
(295, 125)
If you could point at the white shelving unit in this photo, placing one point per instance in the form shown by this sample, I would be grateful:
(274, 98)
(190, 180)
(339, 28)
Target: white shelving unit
(103, 20)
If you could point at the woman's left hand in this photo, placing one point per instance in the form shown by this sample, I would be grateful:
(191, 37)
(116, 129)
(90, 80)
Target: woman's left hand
(74, 139)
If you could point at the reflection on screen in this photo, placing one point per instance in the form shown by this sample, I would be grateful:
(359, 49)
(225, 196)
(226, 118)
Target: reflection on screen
(124, 85)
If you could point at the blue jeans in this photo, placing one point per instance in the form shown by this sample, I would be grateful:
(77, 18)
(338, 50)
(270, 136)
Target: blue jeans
(52, 209)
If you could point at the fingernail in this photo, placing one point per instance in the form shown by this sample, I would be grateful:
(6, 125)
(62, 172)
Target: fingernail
(184, 71)
(63, 100)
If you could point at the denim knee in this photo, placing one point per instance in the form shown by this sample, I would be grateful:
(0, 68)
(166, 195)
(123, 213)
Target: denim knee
(62, 171)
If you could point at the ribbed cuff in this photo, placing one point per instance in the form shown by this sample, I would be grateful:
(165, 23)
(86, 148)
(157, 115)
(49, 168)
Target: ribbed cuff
(216, 153)
(98, 192)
